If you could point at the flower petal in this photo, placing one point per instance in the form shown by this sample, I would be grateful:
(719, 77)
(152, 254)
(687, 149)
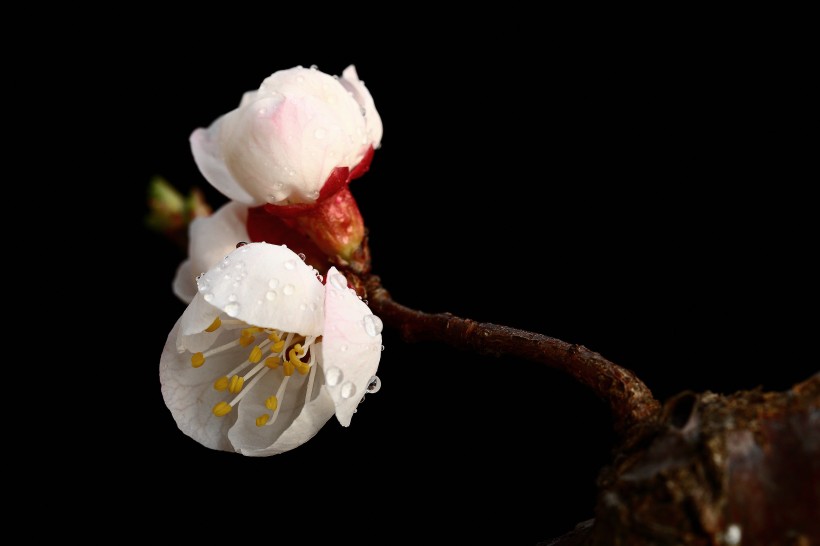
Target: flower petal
(350, 80)
(195, 319)
(211, 238)
(351, 345)
(268, 286)
(209, 159)
(296, 423)
(189, 395)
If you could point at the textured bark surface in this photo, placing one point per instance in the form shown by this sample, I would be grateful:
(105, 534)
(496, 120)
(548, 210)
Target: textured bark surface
(742, 469)
(630, 401)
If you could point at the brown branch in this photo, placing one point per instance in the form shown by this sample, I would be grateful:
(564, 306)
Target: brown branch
(630, 401)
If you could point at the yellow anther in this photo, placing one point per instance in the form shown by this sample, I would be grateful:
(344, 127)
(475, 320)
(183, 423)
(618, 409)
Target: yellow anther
(246, 340)
(288, 368)
(256, 355)
(197, 360)
(221, 384)
(221, 409)
(278, 346)
(274, 337)
(235, 384)
(271, 403)
(262, 419)
(302, 368)
(251, 331)
(273, 362)
(214, 325)
(296, 349)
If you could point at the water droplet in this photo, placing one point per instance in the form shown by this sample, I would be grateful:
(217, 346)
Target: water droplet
(208, 297)
(288, 289)
(290, 265)
(374, 385)
(333, 376)
(300, 79)
(232, 309)
(314, 194)
(372, 325)
(338, 281)
(348, 390)
(313, 67)
(321, 279)
(262, 111)
(365, 302)
(279, 185)
(312, 306)
(235, 284)
(225, 262)
(302, 256)
(319, 133)
(382, 347)
(273, 283)
(240, 265)
(270, 295)
(240, 244)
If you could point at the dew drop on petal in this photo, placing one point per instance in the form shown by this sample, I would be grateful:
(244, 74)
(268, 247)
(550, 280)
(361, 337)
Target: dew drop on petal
(374, 385)
(225, 262)
(348, 390)
(273, 283)
(333, 376)
(208, 297)
(338, 281)
(288, 290)
(241, 244)
(270, 295)
(232, 298)
(382, 347)
(279, 185)
(314, 194)
(321, 279)
(232, 309)
(372, 325)
(290, 265)
(302, 256)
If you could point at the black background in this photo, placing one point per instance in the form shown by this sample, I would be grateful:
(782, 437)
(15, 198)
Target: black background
(632, 193)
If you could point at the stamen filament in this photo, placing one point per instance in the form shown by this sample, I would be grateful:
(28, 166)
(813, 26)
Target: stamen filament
(221, 348)
(280, 393)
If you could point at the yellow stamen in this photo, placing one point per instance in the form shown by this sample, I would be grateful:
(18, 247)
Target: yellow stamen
(251, 331)
(288, 368)
(262, 419)
(214, 325)
(236, 384)
(221, 384)
(271, 403)
(256, 355)
(222, 409)
(273, 362)
(302, 368)
(274, 337)
(278, 346)
(197, 360)
(246, 340)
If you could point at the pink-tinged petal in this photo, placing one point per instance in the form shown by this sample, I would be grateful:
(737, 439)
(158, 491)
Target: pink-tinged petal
(208, 157)
(350, 80)
(190, 396)
(351, 345)
(267, 286)
(211, 238)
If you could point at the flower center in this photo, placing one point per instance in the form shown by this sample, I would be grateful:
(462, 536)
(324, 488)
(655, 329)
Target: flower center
(272, 350)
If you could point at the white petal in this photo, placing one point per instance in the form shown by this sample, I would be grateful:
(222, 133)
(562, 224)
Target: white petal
(209, 159)
(350, 79)
(268, 286)
(296, 423)
(352, 344)
(284, 140)
(189, 394)
(184, 285)
(198, 316)
(214, 237)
